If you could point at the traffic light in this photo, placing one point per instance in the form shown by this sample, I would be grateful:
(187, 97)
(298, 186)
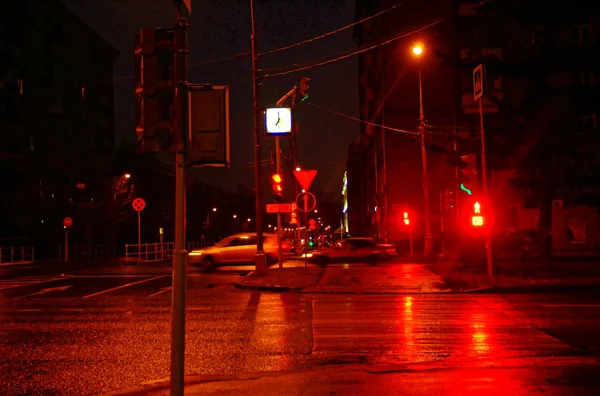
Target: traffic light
(155, 82)
(277, 187)
(406, 219)
(477, 217)
(469, 175)
(448, 201)
(303, 88)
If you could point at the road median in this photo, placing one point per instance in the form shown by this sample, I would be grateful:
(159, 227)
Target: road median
(282, 279)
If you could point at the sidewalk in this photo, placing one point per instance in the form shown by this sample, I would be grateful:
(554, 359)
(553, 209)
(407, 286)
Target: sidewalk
(55, 267)
(525, 376)
(565, 276)
(389, 278)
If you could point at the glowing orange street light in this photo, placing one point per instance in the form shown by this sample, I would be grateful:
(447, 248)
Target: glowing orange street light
(127, 175)
(417, 50)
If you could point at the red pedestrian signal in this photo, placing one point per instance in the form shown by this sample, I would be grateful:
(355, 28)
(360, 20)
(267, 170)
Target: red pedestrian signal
(477, 218)
(406, 219)
(277, 188)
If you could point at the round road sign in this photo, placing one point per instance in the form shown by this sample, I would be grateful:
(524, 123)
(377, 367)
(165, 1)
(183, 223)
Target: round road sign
(306, 202)
(67, 222)
(138, 204)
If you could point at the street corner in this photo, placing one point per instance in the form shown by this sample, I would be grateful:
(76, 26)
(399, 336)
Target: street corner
(282, 279)
(380, 279)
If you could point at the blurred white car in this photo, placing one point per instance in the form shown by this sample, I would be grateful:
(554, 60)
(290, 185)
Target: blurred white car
(363, 250)
(237, 249)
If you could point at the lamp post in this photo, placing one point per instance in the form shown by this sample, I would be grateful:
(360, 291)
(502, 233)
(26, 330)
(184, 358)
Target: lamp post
(428, 245)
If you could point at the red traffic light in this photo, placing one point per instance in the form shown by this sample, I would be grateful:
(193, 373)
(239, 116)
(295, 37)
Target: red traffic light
(277, 187)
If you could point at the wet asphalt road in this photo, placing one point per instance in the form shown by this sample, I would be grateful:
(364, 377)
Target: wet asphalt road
(95, 331)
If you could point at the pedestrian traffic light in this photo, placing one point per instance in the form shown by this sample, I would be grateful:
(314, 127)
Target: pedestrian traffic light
(406, 219)
(477, 218)
(303, 88)
(155, 81)
(277, 187)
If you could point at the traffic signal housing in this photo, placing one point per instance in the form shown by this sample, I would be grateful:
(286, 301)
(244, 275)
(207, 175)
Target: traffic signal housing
(155, 83)
(406, 219)
(448, 201)
(469, 176)
(477, 219)
(277, 187)
(303, 88)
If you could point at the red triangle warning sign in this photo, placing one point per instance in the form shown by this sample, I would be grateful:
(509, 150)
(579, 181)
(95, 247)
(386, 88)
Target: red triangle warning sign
(305, 177)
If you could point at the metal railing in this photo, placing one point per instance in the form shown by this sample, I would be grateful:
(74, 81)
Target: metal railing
(17, 255)
(87, 252)
(196, 245)
(145, 252)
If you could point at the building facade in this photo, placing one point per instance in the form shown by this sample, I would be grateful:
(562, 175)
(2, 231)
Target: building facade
(539, 108)
(56, 117)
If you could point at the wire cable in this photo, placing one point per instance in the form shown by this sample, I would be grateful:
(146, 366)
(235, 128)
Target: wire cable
(368, 48)
(344, 115)
(310, 40)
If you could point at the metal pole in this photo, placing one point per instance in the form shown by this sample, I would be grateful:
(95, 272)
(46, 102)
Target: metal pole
(260, 260)
(488, 237)
(66, 245)
(279, 222)
(428, 248)
(306, 237)
(180, 257)
(139, 216)
(411, 241)
(442, 220)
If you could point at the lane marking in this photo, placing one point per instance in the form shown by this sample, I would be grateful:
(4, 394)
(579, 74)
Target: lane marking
(123, 286)
(161, 291)
(47, 290)
(572, 305)
(114, 276)
(16, 280)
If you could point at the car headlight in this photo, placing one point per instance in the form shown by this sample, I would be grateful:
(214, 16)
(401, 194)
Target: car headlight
(196, 253)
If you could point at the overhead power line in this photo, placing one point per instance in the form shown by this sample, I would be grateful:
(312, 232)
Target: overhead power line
(310, 40)
(344, 115)
(367, 48)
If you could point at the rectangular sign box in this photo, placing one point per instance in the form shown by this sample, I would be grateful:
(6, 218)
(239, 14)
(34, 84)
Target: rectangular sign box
(280, 208)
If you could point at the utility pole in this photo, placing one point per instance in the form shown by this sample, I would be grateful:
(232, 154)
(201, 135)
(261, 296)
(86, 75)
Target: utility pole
(428, 248)
(180, 255)
(260, 259)
(488, 236)
(279, 222)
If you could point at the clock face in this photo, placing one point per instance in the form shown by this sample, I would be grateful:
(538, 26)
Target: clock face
(278, 120)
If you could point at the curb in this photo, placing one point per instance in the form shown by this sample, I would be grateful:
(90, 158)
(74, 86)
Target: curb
(265, 288)
(535, 289)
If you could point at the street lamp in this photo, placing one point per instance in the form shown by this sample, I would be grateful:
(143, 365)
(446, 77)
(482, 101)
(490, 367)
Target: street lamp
(214, 209)
(127, 175)
(428, 246)
(249, 219)
(235, 216)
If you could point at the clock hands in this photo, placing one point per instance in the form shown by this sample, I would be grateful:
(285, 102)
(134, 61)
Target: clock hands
(278, 119)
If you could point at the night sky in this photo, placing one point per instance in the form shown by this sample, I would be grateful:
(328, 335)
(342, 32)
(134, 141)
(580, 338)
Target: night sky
(220, 28)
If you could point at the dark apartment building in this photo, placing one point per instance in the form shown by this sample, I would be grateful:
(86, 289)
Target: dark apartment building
(540, 115)
(56, 116)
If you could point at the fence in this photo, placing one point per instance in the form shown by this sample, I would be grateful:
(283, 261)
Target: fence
(86, 252)
(159, 251)
(17, 255)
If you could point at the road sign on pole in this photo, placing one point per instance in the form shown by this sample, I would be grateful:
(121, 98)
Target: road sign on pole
(67, 223)
(280, 208)
(478, 82)
(305, 177)
(306, 202)
(138, 205)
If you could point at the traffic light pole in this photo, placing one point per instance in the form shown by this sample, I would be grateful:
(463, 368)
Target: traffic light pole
(428, 245)
(488, 237)
(180, 255)
(279, 222)
(260, 259)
